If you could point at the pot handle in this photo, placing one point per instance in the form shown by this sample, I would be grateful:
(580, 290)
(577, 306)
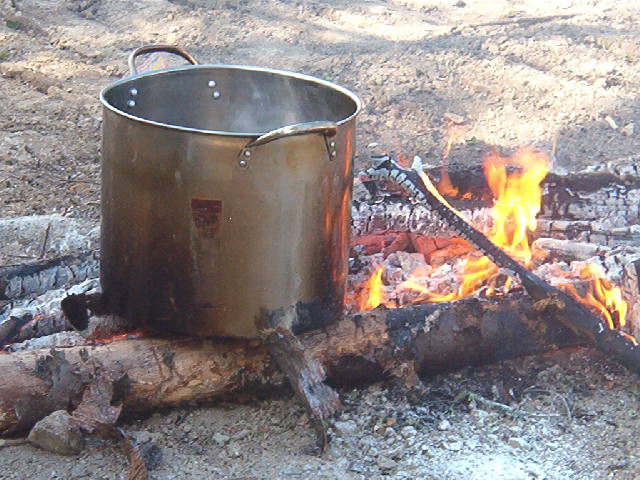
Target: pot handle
(326, 128)
(158, 48)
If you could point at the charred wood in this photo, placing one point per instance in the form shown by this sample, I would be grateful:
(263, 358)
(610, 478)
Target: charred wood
(17, 329)
(394, 215)
(598, 207)
(403, 216)
(356, 349)
(29, 280)
(610, 196)
(25, 319)
(306, 376)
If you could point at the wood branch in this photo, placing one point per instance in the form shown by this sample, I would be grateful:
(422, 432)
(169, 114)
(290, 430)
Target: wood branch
(306, 376)
(399, 215)
(357, 349)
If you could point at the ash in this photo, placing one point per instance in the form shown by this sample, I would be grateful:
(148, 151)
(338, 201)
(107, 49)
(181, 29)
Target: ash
(564, 416)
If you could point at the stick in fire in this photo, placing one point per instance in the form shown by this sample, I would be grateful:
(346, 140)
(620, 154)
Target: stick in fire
(570, 312)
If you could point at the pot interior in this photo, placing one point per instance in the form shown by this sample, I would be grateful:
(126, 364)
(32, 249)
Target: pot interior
(229, 99)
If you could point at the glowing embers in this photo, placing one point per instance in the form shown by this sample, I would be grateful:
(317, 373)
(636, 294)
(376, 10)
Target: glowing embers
(515, 184)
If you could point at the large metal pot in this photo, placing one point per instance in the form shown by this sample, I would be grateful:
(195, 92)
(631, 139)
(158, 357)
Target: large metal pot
(225, 194)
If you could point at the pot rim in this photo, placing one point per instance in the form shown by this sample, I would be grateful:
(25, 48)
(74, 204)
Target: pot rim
(352, 96)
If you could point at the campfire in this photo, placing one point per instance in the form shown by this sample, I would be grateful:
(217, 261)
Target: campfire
(457, 270)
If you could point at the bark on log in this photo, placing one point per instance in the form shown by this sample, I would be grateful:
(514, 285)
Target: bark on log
(306, 376)
(160, 372)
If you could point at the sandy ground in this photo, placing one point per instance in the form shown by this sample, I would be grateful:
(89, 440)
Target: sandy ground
(519, 72)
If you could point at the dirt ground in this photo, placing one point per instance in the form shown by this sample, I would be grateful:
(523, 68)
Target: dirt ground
(518, 71)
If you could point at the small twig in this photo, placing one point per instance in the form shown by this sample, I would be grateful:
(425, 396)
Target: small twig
(73, 180)
(512, 411)
(44, 242)
(563, 399)
(12, 442)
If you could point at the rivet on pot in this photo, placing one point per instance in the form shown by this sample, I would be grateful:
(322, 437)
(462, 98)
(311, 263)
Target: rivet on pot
(333, 153)
(131, 103)
(133, 92)
(332, 145)
(243, 162)
(211, 84)
(216, 94)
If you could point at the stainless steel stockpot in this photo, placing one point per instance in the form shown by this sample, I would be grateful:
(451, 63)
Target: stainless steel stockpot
(226, 194)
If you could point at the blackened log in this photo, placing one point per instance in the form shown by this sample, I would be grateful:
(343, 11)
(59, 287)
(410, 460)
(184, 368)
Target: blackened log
(611, 197)
(394, 215)
(22, 281)
(357, 349)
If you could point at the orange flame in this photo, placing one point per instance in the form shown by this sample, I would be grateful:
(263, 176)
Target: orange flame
(372, 293)
(518, 197)
(454, 132)
(138, 333)
(602, 295)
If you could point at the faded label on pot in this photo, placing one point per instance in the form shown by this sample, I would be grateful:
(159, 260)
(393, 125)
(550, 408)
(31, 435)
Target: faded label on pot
(206, 216)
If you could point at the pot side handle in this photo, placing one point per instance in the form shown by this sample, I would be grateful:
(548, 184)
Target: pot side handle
(158, 48)
(326, 128)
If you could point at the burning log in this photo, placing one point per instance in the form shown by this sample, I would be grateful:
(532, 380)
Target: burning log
(573, 314)
(24, 327)
(360, 348)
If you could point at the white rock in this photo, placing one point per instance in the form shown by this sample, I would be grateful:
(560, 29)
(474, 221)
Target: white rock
(345, 429)
(385, 463)
(408, 431)
(220, 439)
(444, 425)
(454, 446)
